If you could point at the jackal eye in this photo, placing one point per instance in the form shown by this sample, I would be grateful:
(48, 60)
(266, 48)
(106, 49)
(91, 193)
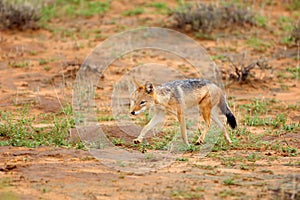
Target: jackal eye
(143, 102)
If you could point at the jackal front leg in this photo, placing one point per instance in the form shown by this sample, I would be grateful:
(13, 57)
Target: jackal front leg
(158, 117)
(201, 138)
(181, 119)
(205, 107)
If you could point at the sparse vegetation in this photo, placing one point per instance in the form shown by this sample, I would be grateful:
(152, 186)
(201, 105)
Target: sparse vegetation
(161, 142)
(20, 129)
(73, 8)
(260, 113)
(256, 120)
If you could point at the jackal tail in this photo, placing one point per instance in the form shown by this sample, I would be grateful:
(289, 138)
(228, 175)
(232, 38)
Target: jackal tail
(227, 112)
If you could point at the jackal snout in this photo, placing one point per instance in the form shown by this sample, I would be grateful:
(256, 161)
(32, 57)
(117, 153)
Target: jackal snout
(138, 107)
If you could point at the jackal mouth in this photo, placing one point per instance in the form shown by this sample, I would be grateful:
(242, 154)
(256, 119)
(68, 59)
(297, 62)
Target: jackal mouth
(139, 111)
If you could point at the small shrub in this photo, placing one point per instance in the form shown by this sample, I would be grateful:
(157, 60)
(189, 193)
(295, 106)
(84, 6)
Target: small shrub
(206, 18)
(295, 35)
(19, 14)
(241, 72)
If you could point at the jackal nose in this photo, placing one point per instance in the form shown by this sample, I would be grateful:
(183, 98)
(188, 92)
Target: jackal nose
(133, 113)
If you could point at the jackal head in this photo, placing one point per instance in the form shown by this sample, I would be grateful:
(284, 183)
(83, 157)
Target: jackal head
(141, 98)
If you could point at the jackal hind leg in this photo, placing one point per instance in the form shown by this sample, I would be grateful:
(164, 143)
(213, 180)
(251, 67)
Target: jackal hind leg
(221, 125)
(158, 117)
(205, 108)
(181, 119)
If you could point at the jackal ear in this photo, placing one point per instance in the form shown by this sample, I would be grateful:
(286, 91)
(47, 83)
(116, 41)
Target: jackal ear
(137, 84)
(149, 87)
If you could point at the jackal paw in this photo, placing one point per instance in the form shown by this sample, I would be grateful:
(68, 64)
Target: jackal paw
(137, 141)
(198, 142)
(228, 141)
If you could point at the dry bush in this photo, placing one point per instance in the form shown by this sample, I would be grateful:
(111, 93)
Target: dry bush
(206, 18)
(19, 14)
(241, 72)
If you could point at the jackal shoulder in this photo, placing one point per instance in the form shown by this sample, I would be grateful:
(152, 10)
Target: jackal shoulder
(185, 85)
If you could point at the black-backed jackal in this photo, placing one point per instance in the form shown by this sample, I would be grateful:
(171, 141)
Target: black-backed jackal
(176, 97)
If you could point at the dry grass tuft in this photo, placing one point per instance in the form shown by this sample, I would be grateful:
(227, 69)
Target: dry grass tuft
(206, 18)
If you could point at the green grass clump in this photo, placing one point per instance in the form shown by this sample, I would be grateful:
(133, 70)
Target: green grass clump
(21, 64)
(295, 71)
(183, 159)
(291, 127)
(258, 44)
(285, 149)
(118, 141)
(261, 21)
(19, 129)
(133, 12)
(74, 8)
(229, 181)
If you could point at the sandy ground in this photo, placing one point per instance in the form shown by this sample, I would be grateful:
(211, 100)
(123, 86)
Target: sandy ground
(62, 173)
